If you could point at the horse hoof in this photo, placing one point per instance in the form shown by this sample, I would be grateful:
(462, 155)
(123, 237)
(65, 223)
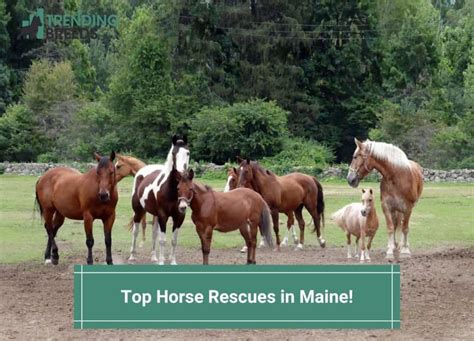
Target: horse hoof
(405, 255)
(299, 247)
(55, 261)
(47, 261)
(368, 260)
(154, 259)
(361, 261)
(284, 242)
(389, 256)
(90, 262)
(322, 243)
(243, 250)
(161, 263)
(173, 263)
(277, 249)
(131, 260)
(349, 257)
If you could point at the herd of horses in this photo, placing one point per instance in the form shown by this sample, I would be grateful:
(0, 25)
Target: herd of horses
(251, 202)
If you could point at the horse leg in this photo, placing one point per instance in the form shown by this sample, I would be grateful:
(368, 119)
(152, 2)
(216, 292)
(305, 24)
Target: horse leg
(143, 231)
(154, 237)
(356, 247)
(162, 239)
(48, 226)
(405, 251)
(88, 224)
(177, 222)
(139, 213)
(310, 205)
(289, 226)
(108, 224)
(253, 241)
(349, 253)
(275, 218)
(58, 221)
(362, 246)
(245, 234)
(206, 239)
(299, 217)
(390, 229)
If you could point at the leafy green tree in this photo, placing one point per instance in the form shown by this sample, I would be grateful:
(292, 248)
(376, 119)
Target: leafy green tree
(251, 129)
(20, 139)
(84, 72)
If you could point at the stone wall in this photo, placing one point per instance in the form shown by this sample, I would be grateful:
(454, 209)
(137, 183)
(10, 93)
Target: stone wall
(430, 175)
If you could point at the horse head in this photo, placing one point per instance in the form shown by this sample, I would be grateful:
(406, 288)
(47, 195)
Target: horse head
(122, 167)
(232, 179)
(246, 173)
(180, 152)
(185, 189)
(367, 201)
(106, 175)
(360, 165)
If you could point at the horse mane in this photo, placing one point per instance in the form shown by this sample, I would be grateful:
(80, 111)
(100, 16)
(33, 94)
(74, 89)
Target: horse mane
(203, 188)
(388, 152)
(133, 159)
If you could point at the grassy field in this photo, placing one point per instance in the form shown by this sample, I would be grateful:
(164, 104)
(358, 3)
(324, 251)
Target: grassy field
(443, 216)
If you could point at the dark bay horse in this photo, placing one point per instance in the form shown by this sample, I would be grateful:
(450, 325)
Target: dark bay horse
(66, 193)
(241, 209)
(400, 187)
(286, 194)
(155, 190)
(232, 179)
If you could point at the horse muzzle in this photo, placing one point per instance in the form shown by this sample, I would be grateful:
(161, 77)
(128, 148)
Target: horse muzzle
(104, 196)
(352, 179)
(364, 213)
(183, 205)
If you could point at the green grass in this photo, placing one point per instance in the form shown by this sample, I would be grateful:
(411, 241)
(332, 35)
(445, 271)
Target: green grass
(443, 216)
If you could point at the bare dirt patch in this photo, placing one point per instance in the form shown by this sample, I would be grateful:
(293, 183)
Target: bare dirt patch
(436, 288)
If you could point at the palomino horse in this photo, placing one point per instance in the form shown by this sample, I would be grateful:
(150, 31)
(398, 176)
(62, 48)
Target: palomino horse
(400, 187)
(157, 194)
(232, 179)
(66, 193)
(241, 209)
(128, 165)
(359, 220)
(286, 194)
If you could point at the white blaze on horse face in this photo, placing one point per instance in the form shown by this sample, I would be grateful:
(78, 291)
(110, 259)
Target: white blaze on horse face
(183, 205)
(227, 185)
(182, 159)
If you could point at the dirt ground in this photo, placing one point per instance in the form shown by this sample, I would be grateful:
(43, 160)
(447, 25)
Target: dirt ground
(437, 295)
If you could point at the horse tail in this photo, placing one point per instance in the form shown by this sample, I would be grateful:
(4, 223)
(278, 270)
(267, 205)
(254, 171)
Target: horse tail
(130, 224)
(338, 216)
(266, 224)
(319, 205)
(37, 205)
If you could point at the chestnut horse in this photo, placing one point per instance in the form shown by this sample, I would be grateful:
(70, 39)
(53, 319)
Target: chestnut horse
(232, 179)
(157, 194)
(359, 220)
(66, 193)
(128, 165)
(286, 194)
(241, 209)
(400, 187)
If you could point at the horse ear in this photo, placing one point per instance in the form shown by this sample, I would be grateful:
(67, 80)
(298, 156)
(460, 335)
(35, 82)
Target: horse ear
(191, 174)
(248, 161)
(174, 139)
(357, 142)
(239, 159)
(178, 176)
(97, 156)
(185, 139)
(112, 156)
(235, 170)
(363, 190)
(370, 191)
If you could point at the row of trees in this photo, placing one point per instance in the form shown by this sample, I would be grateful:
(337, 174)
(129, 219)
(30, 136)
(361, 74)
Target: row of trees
(265, 80)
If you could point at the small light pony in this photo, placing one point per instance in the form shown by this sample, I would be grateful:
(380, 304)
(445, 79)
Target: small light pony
(232, 179)
(126, 166)
(155, 190)
(359, 220)
(67, 193)
(241, 209)
(400, 187)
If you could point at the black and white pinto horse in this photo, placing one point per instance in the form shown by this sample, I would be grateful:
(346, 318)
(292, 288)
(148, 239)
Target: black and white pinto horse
(155, 190)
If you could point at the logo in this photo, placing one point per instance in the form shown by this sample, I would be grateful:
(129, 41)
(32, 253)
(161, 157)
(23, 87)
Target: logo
(34, 27)
(64, 26)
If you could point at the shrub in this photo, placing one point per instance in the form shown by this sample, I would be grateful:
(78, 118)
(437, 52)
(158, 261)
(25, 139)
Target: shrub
(252, 129)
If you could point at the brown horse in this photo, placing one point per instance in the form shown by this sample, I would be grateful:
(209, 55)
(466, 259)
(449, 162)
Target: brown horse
(232, 179)
(400, 188)
(126, 166)
(241, 209)
(286, 194)
(66, 193)
(156, 192)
